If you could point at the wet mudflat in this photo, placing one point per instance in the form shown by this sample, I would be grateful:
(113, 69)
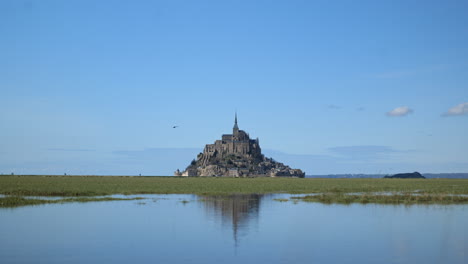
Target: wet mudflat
(232, 229)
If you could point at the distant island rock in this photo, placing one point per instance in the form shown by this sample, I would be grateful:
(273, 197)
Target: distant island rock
(414, 175)
(236, 155)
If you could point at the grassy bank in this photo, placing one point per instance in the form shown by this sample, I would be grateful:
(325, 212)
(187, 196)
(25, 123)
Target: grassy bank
(331, 190)
(105, 185)
(407, 198)
(15, 201)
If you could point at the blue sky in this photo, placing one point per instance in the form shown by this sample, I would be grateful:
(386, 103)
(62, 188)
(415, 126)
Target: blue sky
(94, 87)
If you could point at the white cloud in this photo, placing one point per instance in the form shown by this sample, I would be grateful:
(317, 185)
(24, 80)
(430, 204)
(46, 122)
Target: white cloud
(400, 111)
(461, 109)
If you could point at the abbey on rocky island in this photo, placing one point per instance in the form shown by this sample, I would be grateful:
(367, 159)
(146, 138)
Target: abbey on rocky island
(236, 155)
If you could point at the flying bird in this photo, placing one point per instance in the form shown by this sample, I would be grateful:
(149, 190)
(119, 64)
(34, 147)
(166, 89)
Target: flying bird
(175, 126)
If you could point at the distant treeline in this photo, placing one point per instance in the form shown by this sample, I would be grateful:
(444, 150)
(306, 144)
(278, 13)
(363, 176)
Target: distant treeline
(427, 175)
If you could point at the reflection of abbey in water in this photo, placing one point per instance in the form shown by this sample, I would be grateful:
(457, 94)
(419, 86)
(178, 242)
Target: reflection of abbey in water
(236, 155)
(237, 210)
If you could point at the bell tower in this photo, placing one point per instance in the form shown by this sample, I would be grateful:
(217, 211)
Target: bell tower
(235, 129)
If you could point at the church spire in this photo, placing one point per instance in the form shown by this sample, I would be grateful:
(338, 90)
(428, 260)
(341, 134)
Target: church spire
(236, 128)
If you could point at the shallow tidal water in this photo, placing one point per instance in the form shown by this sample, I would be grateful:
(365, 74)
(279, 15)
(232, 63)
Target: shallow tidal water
(237, 229)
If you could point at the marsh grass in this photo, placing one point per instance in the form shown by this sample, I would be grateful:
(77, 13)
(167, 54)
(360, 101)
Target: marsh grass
(327, 190)
(407, 198)
(281, 200)
(77, 186)
(16, 201)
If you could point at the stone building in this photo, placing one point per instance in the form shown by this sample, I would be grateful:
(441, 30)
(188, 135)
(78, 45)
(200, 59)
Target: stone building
(236, 155)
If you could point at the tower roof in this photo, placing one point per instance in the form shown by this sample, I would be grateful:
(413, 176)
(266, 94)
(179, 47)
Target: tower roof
(235, 122)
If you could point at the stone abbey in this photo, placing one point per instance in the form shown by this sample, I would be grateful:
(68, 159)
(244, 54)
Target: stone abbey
(236, 155)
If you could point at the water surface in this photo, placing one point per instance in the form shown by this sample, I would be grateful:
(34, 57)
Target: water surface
(236, 229)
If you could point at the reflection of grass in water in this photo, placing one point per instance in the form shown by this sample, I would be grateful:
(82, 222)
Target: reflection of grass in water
(105, 185)
(15, 201)
(408, 198)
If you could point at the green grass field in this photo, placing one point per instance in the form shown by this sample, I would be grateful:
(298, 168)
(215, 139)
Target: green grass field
(72, 186)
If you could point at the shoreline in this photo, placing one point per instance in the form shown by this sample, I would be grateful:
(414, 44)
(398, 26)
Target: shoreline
(398, 191)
